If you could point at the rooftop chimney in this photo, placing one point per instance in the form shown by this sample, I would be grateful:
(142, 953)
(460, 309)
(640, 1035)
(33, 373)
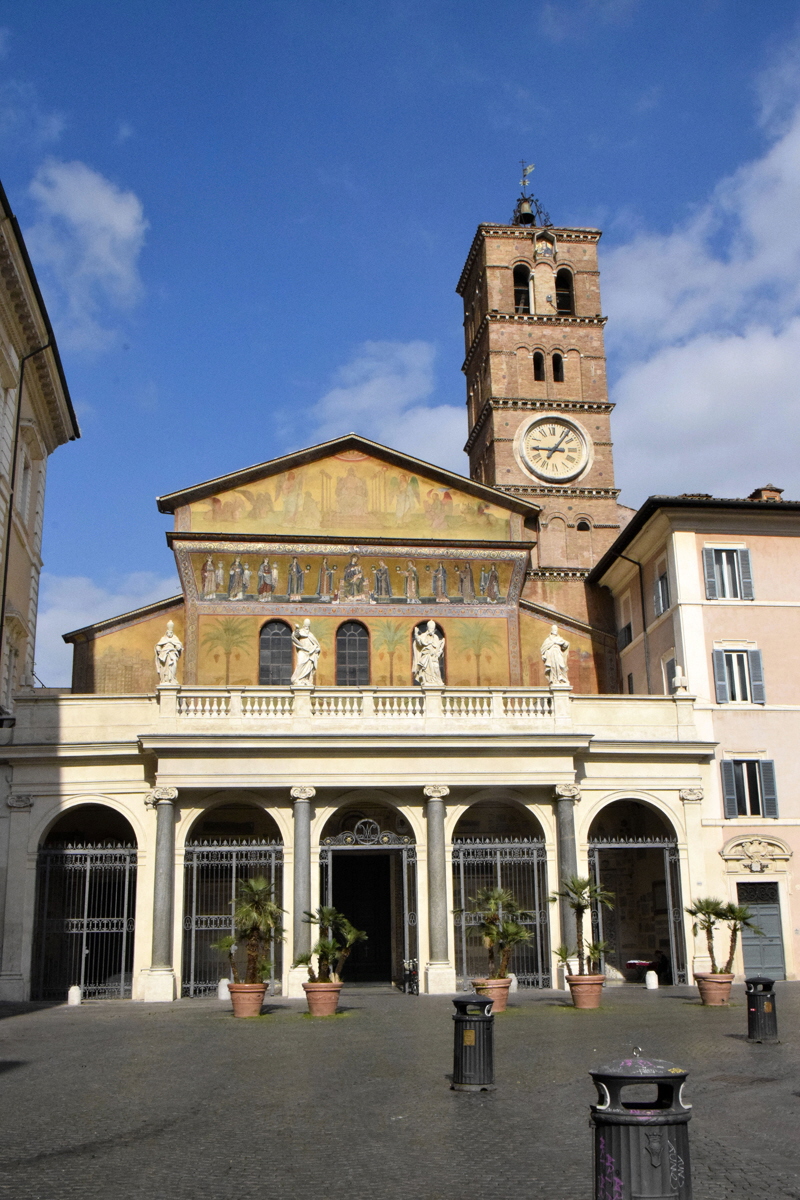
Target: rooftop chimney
(769, 492)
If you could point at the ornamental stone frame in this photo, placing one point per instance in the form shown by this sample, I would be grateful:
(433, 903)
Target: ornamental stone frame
(756, 855)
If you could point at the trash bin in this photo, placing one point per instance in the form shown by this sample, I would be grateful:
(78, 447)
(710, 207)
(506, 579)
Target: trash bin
(473, 1045)
(762, 1017)
(641, 1146)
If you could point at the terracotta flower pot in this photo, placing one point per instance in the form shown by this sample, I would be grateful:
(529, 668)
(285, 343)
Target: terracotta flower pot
(586, 990)
(715, 990)
(496, 988)
(247, 998)
(323, 998)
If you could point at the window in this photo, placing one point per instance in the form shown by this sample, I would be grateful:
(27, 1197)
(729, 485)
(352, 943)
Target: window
(558, 369)
(522, 291)
(24, 486)
(565, 300)
(538, 367)
(748, 787)
(630, 685)
(739, 677)
(728, 574)
(583, 527)
(661, 592)
(275, 654)
(352, 655)
(669, 668)
(625, 636)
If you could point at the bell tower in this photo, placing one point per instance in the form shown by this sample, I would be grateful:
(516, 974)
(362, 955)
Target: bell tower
(537, 399)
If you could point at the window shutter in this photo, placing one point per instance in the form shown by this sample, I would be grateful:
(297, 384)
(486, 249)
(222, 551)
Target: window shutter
(720, 677)
(657, 609)
(710, 574)
(729, 788)
(769, 792)
(746, 572)
(756, 677)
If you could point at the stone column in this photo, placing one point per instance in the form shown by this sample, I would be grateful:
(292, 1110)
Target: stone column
(14, 975)
(566, 796)
(301, 895)
(440, 976)
(159, 982)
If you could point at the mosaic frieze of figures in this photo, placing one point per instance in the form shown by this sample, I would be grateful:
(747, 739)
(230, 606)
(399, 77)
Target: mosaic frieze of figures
(351, 578)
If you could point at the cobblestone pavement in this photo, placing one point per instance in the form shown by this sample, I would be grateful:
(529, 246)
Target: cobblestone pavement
(126, 1101)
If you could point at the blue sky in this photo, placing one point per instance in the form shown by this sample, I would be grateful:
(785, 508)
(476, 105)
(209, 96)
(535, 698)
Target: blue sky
(248, 221)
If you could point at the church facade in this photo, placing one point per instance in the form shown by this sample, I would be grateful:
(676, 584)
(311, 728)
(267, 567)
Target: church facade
(386, 686)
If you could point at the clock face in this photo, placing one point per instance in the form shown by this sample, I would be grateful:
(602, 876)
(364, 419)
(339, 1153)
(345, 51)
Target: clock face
(554, 449)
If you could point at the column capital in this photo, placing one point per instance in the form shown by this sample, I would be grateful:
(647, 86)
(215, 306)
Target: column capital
(303, 793)
(161, 795)
(568, 791)
(436, 791)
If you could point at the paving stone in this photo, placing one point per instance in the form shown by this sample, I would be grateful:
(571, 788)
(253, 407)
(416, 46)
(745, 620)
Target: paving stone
(131, 1101)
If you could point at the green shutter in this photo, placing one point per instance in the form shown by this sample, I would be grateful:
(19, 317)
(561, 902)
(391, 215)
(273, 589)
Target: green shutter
(757, 691)
(729, 788)
(710, 574)
(769, 792)
(720, 676)
(746, 573)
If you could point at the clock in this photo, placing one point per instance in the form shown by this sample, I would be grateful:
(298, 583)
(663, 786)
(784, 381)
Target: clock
(554, 449)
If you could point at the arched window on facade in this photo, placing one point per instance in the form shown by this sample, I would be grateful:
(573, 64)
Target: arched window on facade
(275, 654)
(538, 367)
(565, 297)
(352, 655)
(558, 368)
(583, 527)
(522, 291)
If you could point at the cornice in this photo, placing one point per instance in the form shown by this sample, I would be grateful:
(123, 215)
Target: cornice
(534, 319)
(533, 490)
(558, 573)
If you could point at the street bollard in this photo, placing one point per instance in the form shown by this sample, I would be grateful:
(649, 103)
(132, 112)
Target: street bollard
(762, 1017)
(223, 991)
(641, 1147)
(74, 995)
(473, 1045)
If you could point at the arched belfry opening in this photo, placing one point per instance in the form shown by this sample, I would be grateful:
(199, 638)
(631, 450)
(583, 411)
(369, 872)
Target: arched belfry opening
(233, 839)
(85, 906)
(368, 871)
(633, 853)
(498, 846)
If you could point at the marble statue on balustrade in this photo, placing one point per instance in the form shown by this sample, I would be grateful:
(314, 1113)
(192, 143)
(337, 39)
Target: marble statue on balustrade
(554, 656)
(296, 583)
(307, 650)
(208, 580)
(427, 656)
(439, 581)
(383, 583)
(411, 583)
(169, 648)
(236, 580)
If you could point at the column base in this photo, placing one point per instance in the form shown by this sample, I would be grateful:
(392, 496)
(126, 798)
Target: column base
(440, 979)
(294, 983)
(158, 985)
(12, 986)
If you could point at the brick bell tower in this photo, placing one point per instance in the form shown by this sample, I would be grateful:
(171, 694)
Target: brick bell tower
(537, 399)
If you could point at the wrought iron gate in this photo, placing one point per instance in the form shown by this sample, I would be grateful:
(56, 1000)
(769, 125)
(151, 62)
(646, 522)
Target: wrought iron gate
(211, 873)
(674, 904)
(368, 835)
(521, 867)
(85, 904)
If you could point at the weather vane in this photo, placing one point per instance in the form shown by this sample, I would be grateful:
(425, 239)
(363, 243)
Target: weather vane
(527, 169)
(529, 211)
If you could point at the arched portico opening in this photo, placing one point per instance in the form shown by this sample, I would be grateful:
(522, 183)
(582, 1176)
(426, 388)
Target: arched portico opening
(500, 844)
(368, 871)
(230, 841)
(633, 853)
(85, 906)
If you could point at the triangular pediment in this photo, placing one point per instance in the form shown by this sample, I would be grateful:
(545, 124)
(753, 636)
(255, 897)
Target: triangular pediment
(348, 487)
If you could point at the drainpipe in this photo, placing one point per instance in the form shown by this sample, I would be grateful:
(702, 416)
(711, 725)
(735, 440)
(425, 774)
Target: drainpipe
(644, 621)
(4, 718)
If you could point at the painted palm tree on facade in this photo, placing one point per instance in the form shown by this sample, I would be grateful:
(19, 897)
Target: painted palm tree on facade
(390, 637)
(227, 635)
(477, 638)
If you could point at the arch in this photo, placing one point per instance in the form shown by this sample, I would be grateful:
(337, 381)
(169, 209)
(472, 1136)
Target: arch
(553, 542)
(565, 292)
(275, 661)
(90, 824)
(352, 655)
(631, 818)
(442, 660)
(538, 367)
(367, 806)
(234, 819)
(558, 368)
(583, 525)
(490, 819)
(522, 288)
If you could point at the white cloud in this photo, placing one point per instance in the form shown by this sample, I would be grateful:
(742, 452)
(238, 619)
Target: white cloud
(23, 123)
(705, 329)
(85, 246)
(381, 394)
(70, 602)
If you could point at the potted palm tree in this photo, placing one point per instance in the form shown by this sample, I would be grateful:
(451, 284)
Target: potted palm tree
(586, 987)
(337, 937)
(708, 912)
(257, 921)
(502, 932)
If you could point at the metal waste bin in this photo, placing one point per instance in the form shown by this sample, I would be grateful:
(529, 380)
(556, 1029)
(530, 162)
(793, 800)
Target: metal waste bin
(762, 1017)
(641, 1146)
(473, 1045)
